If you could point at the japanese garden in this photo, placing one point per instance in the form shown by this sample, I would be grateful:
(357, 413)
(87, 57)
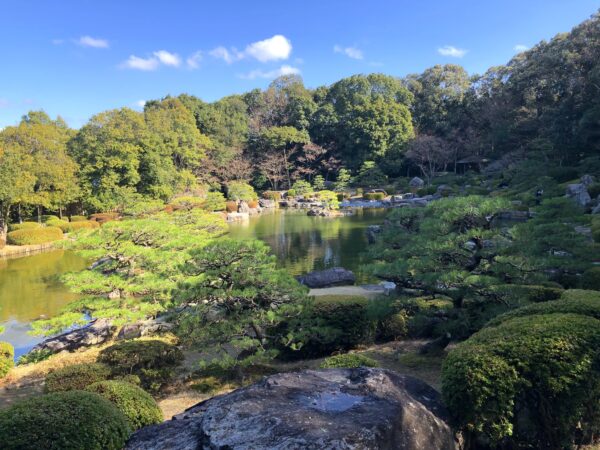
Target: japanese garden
(400, 262)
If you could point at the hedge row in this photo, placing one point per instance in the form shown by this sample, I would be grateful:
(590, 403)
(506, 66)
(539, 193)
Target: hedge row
(34, 236)
(24, 226)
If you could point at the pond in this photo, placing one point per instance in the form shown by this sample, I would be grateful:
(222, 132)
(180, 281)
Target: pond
(30, 286)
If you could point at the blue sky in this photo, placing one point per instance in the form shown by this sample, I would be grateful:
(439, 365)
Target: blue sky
(77, 58)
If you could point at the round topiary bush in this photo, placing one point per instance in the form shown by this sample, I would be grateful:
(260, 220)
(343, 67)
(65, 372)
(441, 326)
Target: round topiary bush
(591, 279)
(69, 227)
(231, 206)
(239, 190)
(34, 236)
(24, 226)
(215, 201)
(63, 421)
(136, 404)
(76, 377)
(7, 355)
(529, 382)
(78, 218)
(348, 361)
(153, 361)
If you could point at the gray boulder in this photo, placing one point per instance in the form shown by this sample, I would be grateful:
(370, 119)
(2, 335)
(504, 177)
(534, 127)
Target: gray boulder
(579, 194)
(243, 207)
(327, 409)
(336, 276)
(96, 332)
(267, 203)
(587, 180)
(416, 182)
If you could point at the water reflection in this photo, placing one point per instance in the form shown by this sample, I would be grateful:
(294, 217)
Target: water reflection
(302, 243)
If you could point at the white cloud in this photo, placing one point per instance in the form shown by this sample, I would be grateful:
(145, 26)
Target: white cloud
(137, 63)
(272, 49)
(88, 41)
(228, 56)
(140, 103)
(167, 58)
(283, 70)
(449, 50)
(193, 61)
(350, 52)
(520, 48)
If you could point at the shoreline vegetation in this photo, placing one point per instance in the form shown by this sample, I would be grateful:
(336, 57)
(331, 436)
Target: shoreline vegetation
(489, 251)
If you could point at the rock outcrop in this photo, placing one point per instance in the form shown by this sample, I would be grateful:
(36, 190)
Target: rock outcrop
(416, 183)
(336, 276)
(579, 194)
(327, 409)
(96, 332)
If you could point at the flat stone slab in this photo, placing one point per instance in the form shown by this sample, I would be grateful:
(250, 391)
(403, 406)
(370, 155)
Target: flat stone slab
(325, 409)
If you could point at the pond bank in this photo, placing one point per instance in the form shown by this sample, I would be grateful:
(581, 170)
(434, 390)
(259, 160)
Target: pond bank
(24, 250)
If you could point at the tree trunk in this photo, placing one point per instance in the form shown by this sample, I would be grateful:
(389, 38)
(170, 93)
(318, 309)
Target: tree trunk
(19, 216)
(39, 214)
(4, 213)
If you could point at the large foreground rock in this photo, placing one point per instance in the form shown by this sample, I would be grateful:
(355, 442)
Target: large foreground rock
(327, 409)
(336, 276)
(95, 333)
(579, 194)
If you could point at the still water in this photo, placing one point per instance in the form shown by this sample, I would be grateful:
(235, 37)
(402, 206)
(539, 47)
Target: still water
(30, 286)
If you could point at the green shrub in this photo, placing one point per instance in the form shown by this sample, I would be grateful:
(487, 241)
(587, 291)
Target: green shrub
(78, 218)
(49, 218)
(215, 201)
(136, 404)
(430, 190)
(153, 361)
(528, 293)
(348, 361)
(291, 193)
(394, 326)
(330, 198)
(591, 279)
(238, 190)
(302, 187)
(24, 226)
(272, 195)
(34, 356)
(374, 196)
(143, 207)
(69, 227)
(563, 174)
(7, 354)
(56, 222)
(333, 323)
(76, 377)
(34, 236)
(575, 301)
(187, 202)
(594, 190)
(63, 421)
(529, 382)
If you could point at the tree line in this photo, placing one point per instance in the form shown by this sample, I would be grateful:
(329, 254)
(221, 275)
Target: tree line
(544, 104)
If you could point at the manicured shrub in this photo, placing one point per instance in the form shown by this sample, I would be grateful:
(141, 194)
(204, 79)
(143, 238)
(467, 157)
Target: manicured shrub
(334, 323)
(574, 301)
(215, 201)
(253, 204)
(63, 421)
(24, 226)
(591, 279)
(76, 377)
(374, 196)
(56, 222)
(34, 236)
(136, 404)
(48, 218)
(7, 354)
(528, 293)
(302, 187)
(231, 206)
(143, 207)
(529, 382)
(238, 190)
(348, 361)
(291, 193)
(394, 326)
(69, 227)
(563, 174)
(104, 217)
(272, 195)
(153, 361)
(78, 218)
